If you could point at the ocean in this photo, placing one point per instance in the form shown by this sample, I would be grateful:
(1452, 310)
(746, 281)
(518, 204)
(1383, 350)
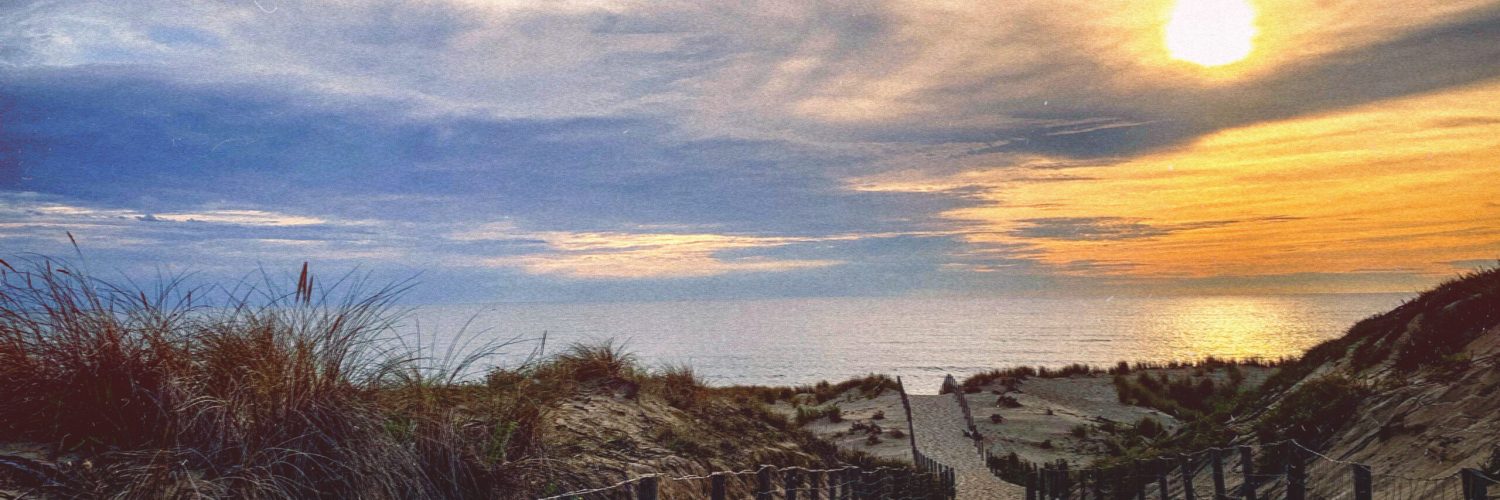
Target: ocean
(802, 341)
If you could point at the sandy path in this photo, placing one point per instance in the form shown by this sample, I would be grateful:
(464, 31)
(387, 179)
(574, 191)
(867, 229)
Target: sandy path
(940, 423)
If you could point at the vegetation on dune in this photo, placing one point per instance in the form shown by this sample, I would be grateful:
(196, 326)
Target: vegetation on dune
(975, 383)
(1312, 412)
(244, 392)
(1186, 397)
(1424, 337)
(868, 386)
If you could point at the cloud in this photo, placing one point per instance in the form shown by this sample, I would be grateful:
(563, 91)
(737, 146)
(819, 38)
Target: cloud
(1474, 264)
(237, 217)
(1383, 186)
(1098, 228)
(1029, 139)
(651, 255)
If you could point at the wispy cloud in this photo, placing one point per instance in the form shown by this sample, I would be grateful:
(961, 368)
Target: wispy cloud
(652, 255)
(830, 148)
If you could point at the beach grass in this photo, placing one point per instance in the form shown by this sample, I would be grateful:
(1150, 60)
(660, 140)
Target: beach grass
(250, 391)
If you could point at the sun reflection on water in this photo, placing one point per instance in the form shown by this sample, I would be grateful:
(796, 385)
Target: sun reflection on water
(1236, 327)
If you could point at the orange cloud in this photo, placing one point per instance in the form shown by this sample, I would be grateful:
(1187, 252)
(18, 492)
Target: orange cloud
(1403, 184)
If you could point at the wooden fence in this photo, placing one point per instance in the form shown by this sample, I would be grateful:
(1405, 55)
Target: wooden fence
(1251, 472)
(1280, 470)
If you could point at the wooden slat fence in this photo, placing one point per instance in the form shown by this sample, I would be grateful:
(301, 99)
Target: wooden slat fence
(1283, 470)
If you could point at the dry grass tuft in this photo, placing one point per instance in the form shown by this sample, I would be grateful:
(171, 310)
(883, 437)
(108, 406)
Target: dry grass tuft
(227, 392)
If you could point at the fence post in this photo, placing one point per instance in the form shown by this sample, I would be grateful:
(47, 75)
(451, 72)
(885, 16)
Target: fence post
(1162, 468)
(718, 486)
(911, 426)
(814, 485)
(1218, 472)
(763, 483)
(1476, 485)
(1247, 468)
(1296, 475)
(1140, 477)
(1186, 462)
(1098, 485)
(847, 484)
(646, 489)
(793, 478)
(1362, 487)
(950, 484)
(1030, 480)
(1049, 484)
(1042, 483)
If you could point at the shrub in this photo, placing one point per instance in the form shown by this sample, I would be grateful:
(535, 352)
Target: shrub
(879, 415)
(602, 360)
(1109, 427)
(1150, 428)
(995, 418)
(684, 441)
(1007, 402)
(1313, 412)
(868, 386)
(679, 386)
(1079, 431)
(807, 414)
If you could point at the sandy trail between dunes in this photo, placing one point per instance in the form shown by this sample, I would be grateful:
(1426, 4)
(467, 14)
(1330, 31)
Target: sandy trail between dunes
(939, 429)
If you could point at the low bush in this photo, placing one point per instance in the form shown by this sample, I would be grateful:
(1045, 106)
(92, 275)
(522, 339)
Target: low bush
(1313, 412)
(678, 385)
(807, 414)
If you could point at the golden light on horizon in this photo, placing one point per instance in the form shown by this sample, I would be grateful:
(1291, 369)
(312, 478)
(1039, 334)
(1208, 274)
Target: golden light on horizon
(1399, 187)
(1211, 32)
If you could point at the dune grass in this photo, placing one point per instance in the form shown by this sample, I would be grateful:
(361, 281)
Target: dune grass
(250, 392)
(241, 392)
(975, 382)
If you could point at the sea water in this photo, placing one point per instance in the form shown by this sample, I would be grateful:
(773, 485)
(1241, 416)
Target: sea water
(802, 341)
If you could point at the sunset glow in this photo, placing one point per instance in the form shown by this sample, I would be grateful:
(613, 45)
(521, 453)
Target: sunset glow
(631, 151)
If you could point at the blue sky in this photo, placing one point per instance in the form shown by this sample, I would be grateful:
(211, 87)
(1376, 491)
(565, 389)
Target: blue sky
(599, 151)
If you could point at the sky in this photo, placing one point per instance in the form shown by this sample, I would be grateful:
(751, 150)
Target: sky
(581, 151)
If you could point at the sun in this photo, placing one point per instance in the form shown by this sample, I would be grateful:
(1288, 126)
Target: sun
(1211, 32)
